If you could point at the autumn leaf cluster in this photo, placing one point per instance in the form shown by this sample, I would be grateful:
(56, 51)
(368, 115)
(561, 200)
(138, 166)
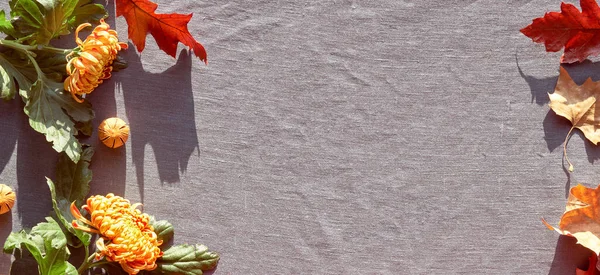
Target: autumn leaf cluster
(578, 33)
(37, 72)
(34, 70)
(52, 242)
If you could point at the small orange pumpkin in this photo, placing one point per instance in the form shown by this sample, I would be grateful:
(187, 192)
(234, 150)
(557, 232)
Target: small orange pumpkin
(7, 198)
(113, 132)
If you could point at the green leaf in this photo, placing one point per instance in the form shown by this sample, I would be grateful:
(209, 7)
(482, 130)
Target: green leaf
(187, 259)
(73, 179)
(51, 233)
(71, 269)
(16, 239)
(7, 84)
(5, 25)
(164, 231)
(47, 244)
(51, 110)
(42, 20)
(63, 213)
(53, 64)
(55, 20)
(28, 11)
(55, 247)
(85, 128)
(72, 185)
(86, 11)
(44, 106)
(9, 74)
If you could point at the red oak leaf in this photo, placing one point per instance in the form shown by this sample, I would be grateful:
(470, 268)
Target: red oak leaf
(591, 267)
(578, 32)
(167, 29)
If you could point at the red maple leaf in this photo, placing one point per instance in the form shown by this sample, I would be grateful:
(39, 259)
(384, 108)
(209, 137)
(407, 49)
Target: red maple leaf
(167, 29)
(578, 32)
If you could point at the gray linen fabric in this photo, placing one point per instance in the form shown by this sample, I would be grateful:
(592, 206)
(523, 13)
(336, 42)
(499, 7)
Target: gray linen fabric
(337, 137)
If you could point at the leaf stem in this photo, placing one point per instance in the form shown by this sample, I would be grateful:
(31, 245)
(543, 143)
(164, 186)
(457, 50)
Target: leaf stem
(21, 47)
(26, 49)
(565, 149)
(35, 65)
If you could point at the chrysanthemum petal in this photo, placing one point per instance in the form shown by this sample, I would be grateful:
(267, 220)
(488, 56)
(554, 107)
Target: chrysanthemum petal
(126, 234)
(93, 59)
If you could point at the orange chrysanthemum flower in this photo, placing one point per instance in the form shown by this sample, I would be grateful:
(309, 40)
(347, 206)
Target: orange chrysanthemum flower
(91, 62)
(127, 236)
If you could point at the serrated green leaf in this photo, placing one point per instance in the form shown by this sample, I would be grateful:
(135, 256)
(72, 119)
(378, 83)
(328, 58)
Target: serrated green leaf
(55, 20)
(73, 179)
(86, 11)
(27, 10)
(9, 74)
(52, 111)
(7, 85)
(187, 259)
(22, 240)
(55, 245)
(38, 22)
(16, 239)
(53, 64)
(71, 269)
(47, 244)
(84, 128)
(62, 210)
(164, 231)
(51, 232)
(5, 25)
(44, 106)
(72, 185)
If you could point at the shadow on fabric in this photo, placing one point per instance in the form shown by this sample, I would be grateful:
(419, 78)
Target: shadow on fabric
(540, 87)
(36, 160)
(5, 230)
(8, 120)
(556, 129)
(160, 112)
(569, 256)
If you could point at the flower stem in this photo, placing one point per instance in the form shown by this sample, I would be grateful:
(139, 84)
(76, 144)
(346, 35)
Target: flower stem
(86, 264)
(89, 263)
(87, 252)
(58, 50)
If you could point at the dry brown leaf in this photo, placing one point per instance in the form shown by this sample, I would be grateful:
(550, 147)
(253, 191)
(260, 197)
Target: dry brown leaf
(577, 104)
(582, 217)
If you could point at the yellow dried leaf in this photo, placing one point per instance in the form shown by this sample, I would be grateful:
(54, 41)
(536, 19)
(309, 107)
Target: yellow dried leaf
(582, 217)
(577, 104)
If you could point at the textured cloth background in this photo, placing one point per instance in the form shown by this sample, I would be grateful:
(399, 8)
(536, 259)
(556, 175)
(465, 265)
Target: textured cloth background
(337, 137)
